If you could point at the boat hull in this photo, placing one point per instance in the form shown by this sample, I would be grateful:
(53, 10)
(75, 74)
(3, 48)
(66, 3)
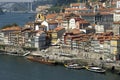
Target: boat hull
(73, 66)
(96, 69)
(41, 60)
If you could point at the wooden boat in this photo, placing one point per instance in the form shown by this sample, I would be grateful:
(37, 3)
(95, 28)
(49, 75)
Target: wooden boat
(41, 59)
(96, 69)
(73, 66)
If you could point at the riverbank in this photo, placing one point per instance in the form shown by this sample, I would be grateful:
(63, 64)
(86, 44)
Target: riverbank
(19, 68)
(82, 57)
(61, 56)
(14, 53)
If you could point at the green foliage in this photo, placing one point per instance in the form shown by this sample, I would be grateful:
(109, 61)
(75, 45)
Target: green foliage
(54, 9)
(64, 2)
(61, 4)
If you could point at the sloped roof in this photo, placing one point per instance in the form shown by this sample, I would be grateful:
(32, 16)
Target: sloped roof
(77, 4)
(15, 28)
(75, 31)
(52, 22)
(58, 28)
(51, 16)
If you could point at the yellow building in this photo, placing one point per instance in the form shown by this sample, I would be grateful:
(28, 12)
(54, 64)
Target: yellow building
(115, 48)
(115, 43)
(56, 35)
(40, 17)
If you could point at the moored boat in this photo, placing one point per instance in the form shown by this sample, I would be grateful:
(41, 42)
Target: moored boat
(96, 69)
(73, 66)
(41, 59)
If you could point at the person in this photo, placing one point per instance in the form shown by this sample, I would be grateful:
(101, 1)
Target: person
(101, 58)
(92, 64)
(113, 67)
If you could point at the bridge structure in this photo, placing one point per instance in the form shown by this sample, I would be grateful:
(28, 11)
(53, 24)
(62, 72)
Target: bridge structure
(18, 3)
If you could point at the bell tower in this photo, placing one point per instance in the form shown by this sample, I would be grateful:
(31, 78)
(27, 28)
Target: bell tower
(40, 17)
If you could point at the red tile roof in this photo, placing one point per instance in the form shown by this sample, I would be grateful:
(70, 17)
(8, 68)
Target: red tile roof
(117, 22)
(38, 31)
(75, 31)
(75, 9)
(51, 16)
(52, 22)
(77, 4)
(58, 28)
(15, 28)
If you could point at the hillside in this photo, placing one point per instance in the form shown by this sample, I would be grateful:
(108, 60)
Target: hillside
(60, 4)
(57, 4)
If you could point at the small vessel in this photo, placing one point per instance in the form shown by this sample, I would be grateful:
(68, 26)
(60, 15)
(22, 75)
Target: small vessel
(27, 53)
(73, 66)
(96, 69)
(41, 59)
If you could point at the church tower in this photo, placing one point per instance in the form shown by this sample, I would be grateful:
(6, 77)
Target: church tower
(40, 17)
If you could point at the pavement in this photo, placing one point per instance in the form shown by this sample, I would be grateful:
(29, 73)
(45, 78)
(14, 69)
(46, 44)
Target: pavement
(88, 57)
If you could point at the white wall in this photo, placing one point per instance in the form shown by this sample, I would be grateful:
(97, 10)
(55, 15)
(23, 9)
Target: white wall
(99, 29)
(40, 40)
(37, 27)
(72, 23)
(46, 24)
(118, 4)
(116, 17)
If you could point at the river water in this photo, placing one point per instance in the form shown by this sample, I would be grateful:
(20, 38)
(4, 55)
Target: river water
(18, 18)
(19, 68)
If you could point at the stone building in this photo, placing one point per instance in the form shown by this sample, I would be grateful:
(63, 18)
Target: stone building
(116, 28)
(39, 39)
(56, 35)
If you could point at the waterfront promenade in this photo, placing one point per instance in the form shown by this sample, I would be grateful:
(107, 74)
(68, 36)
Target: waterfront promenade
(80, 56)
(86, 58)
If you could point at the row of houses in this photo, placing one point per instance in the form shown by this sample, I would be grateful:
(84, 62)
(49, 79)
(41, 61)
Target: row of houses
(37, 34)
(99, 43)
(87, 31)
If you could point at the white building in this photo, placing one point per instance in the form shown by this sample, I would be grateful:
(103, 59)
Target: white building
(99, 28)
(72, 24)
(45, 24)
(118, 4)
(116, 17)
(40, 40)
(1, 37)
